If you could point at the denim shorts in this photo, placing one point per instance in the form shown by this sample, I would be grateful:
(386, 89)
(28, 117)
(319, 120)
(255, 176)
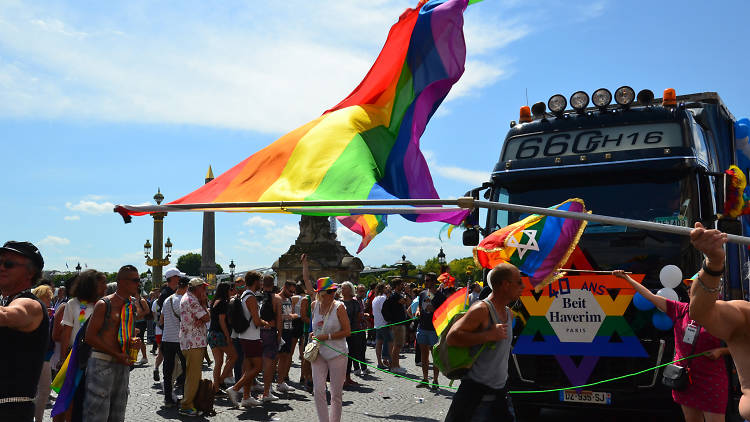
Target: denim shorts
(384, 334)
(427, 337)
(216, 339)
(106, 390)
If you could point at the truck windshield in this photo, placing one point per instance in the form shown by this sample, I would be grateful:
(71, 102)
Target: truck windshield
(616, 247)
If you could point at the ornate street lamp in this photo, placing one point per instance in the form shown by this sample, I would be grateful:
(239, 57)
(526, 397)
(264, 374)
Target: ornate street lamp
(168, 247)
(147, 249)
(231, 270)
(404, 266)
(441, 257)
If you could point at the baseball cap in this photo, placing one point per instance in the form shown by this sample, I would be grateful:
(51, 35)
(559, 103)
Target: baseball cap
(173, 272)
(197, 281)
(26, 249)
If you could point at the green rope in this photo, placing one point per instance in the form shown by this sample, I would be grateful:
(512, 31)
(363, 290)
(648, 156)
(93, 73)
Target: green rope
(577, 387)
(387, 325)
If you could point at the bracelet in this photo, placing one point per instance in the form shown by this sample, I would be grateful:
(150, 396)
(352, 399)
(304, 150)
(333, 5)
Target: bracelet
(706, 288)
(710, 271)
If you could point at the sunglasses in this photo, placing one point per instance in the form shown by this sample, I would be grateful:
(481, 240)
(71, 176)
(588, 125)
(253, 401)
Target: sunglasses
(330, 292)
(8, 264)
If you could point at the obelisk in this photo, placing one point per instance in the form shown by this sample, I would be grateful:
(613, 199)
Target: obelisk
(208, 249)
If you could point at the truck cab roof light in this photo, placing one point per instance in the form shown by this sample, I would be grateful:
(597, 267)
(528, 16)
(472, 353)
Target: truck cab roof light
(524, 115)
(624, 96)
(579, 100)
(601, 98)
(557, 104)
(538, 110)
(670, 98)
(645, 97)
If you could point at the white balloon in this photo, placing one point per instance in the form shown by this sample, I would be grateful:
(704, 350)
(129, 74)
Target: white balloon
(668, 293)
(670, 276)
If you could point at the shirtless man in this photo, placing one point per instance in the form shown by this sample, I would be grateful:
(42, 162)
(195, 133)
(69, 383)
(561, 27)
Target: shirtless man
(727, 320)
(108, 368)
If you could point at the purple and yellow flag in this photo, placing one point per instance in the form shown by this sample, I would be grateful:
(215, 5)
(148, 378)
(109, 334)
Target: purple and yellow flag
(538, 245)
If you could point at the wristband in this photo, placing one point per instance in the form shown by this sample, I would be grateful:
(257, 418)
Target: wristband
(712, 272)
(706, 288)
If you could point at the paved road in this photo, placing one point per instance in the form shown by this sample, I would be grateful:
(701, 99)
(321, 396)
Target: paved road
(380, 397)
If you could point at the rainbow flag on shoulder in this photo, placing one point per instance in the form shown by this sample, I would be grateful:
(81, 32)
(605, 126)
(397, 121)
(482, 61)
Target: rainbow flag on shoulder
(367, 146)
(457, 302)
(537, 245)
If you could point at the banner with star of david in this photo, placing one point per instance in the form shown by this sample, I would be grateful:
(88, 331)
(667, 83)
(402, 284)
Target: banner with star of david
(537, 245)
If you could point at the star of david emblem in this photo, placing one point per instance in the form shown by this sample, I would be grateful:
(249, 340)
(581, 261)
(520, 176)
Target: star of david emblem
(530, 245)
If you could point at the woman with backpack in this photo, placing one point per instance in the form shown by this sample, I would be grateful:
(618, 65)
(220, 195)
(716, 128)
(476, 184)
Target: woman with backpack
(219, 337)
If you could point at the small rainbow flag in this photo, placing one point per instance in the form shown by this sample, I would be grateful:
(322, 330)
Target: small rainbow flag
(457, 302)
(367, 146)
(368, 226)
(537, 245)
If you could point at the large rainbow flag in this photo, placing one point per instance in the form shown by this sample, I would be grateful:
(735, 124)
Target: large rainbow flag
(367, 146)
(537, 245)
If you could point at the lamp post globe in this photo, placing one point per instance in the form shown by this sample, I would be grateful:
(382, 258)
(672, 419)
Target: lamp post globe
(231, 270)
(441, 257)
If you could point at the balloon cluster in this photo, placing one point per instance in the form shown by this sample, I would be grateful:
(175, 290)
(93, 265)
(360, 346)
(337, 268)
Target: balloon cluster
(670, 277)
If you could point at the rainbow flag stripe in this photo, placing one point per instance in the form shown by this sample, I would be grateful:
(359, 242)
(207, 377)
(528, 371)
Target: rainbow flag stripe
(367, 226)
(538, 245)
(457, 302)
(367, 146)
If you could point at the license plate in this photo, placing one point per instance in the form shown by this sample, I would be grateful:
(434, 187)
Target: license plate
(596, 397)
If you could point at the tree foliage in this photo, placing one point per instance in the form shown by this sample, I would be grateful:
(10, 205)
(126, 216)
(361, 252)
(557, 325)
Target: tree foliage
(190, 264)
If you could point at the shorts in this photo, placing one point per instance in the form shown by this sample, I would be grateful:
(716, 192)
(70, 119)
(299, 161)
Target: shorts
(287, 336)
(141, 325)
(427, 337)
(399, 335)
(216, 339)
(251, 348)
(297, 328)
(270, 339)
(158, 339)
(384, 334)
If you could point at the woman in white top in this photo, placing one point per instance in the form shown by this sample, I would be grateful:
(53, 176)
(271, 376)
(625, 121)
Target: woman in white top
(330, 326)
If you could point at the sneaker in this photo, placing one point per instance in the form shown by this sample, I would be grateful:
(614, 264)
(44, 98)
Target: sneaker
(170, 404)
(143, 361)
(156, 375)
(358, 372)
(284, 388)
(229, 381)
(398, 370)
(434, 386)
(381, 366)
(365, 371)
(270, 397)
(188, 412)
(256, 388)
(250, 402)
(423, 384)
(234, 396)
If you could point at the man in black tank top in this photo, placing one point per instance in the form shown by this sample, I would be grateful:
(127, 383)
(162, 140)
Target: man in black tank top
(24, 324)
(270, 311)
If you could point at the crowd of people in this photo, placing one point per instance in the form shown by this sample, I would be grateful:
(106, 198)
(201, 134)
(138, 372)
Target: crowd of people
(83, 338)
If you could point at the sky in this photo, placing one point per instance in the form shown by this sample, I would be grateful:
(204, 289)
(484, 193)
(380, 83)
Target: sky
(103, 103)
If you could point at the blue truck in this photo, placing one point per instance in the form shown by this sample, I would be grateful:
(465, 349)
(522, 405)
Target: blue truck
(639, 157)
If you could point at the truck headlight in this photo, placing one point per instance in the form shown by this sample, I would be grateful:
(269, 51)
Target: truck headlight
(557, 104)
(602, 97)
(579, 100)
(624, 95)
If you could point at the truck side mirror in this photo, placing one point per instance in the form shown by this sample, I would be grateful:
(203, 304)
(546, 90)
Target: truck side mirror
(730, 226)
(471, 237)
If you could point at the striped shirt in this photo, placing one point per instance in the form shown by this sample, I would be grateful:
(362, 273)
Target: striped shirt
(171, 332)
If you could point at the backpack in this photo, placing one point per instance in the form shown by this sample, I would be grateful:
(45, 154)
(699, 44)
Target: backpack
(84, 349)
(390, 311)
(237, 319)
(453, 361)
(266, 307)
(204, 398)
